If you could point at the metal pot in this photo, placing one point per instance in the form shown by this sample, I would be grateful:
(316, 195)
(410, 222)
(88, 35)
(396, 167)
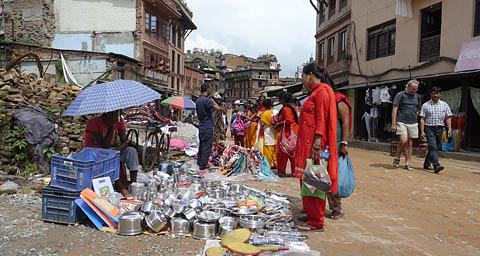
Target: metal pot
(237, 188)
(225, 230)
(222, 211)
(168, 212)
(137, 190)
(156, 221)
(204, 231)
(253, 221)
(180, 226)
(228, 222)
(208, 216)
(179, 206)
(130, 224)
(148, 207)
(190, 214)
(195, 204)
(217, 194)
(197, 179)
(196, 187)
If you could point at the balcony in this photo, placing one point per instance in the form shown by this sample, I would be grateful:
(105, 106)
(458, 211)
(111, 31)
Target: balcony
(429, 47)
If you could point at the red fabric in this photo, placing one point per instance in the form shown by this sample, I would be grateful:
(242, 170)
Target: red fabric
(314, 207)
(261, 108)
(339, 97)
(318, 117)
(97, 125)
(282, 159)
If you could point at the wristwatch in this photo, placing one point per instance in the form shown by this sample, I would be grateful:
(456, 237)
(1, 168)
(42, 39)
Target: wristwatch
(344, 142)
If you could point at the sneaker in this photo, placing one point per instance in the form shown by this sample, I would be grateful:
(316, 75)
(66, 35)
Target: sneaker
(409, 168)
(438, 168)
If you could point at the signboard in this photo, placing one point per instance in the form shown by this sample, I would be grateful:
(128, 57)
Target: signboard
(156, 75)
(469, 58)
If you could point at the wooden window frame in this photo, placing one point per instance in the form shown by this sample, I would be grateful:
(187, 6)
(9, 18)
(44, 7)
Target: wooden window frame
(388, 28)
(330, 50)
(476, 22)
(342, 43)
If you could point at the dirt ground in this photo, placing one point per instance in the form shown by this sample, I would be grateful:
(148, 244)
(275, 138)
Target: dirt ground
(392, 212)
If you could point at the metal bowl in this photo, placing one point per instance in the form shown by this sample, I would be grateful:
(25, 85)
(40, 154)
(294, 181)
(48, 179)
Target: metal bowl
(180, 226)
(253, 221)
(148, 207)
(243, 211)
(194, 203)
(156, 221)
(204, 231)
(130, 224)
(197, 179)
(225, 230)
(208, 216)
(221, 211)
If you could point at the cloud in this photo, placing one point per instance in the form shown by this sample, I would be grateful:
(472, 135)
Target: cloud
(285, 28)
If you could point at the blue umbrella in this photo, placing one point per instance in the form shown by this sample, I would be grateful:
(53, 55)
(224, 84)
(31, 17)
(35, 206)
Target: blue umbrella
(110, 96)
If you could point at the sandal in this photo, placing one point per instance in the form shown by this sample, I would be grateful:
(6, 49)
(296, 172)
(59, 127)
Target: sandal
(409, 168)
(336, 215)
(308, 228)
(396, 162)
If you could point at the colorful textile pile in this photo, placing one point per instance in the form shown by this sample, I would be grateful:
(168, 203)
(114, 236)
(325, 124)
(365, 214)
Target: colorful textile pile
(145, 113)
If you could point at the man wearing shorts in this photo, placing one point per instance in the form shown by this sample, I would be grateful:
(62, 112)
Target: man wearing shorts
(406, 107)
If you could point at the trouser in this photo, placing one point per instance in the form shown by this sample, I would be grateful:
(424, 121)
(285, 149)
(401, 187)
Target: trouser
(271, 154)
(282, 159)
(334, 203)
(314, 207)
(434, 138)
(129, 157)
(205, 148)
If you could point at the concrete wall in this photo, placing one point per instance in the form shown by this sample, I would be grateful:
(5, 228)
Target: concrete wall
(457, 28)
(99, 16)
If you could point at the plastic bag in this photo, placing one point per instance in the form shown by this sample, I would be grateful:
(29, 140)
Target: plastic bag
(315, 177)
(346, 177)
(9, 187)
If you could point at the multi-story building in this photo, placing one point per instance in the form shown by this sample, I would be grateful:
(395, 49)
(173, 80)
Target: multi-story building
(332, 38)
(231, 62)
(395, 41)
(249, 81)
(211, 57)
(150, 31)
(194, 77)
(212, 75)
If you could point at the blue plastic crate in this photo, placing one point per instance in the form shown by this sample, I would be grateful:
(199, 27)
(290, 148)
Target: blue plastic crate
(76, 171)
(58, 205)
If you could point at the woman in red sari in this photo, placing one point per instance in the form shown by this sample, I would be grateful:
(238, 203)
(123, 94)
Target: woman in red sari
(317, 130)
(286, 122)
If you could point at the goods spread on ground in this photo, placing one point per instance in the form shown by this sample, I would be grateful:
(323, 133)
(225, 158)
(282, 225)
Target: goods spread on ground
(174, 201)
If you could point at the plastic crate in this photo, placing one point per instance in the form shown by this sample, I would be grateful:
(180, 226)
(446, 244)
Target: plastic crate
(76, 171)
(58, 205)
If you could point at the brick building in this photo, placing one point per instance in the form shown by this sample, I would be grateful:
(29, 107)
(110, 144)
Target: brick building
(193, 79)
(332, 38)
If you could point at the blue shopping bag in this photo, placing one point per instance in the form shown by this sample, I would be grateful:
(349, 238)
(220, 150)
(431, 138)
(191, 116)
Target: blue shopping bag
(346, 177)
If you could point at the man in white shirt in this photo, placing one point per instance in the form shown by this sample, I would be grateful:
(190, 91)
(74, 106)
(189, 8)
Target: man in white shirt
(432, 116)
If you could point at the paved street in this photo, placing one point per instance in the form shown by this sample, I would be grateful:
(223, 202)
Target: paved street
(392, 212)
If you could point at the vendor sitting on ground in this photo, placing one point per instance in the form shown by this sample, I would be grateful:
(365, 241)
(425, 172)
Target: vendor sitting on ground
(100, 133)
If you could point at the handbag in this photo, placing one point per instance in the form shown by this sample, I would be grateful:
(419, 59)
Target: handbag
(288, 145)
(315, 177)
(346, 177)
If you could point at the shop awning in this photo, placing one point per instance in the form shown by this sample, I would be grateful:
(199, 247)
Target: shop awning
(405, 79)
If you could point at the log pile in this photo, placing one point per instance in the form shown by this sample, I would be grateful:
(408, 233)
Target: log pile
(19, 90)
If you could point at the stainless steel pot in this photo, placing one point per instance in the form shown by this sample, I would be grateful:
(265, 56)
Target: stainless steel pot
(137, 190)
(190, 214)
(156, 221)
(130, 224)
(180, 226)
(208, 216)
(253, 221)
(179, 206)
(228, 222)
(168, 212)
(148, 207)
(204, 231)
(237, 188)
(195, 204)
(197, 179)
(225, 230)
(217, 194)
(222, 211)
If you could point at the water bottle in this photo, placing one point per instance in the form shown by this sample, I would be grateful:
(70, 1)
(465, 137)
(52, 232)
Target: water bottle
(326, 155)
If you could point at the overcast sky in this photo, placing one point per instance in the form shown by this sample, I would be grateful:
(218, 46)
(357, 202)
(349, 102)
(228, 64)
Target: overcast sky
(285, 28)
